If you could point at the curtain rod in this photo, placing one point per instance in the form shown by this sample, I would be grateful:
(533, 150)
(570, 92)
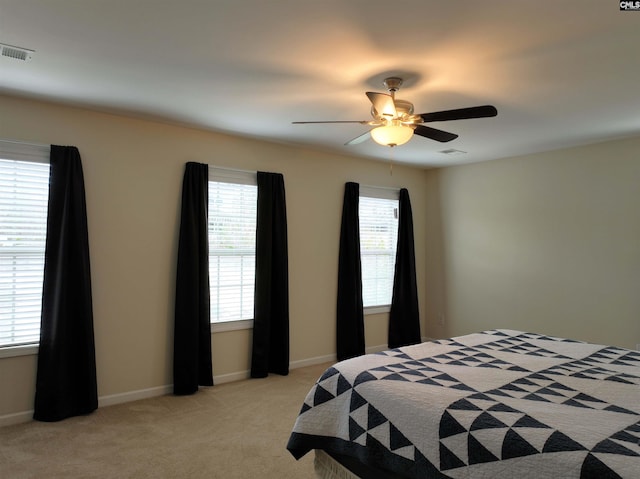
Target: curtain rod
(28, 143)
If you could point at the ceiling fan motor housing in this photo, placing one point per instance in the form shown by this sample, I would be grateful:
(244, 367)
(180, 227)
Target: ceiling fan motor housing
(393, 84)
(404, 110)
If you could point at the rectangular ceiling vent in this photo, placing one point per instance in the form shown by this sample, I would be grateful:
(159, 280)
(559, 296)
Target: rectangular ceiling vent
(17, 53)
(452, 152)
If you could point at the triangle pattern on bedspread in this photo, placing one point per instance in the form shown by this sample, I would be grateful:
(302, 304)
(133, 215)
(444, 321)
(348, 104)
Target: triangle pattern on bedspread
(495, 406)
(366, 424)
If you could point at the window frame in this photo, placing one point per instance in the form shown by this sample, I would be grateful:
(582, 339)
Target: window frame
(26, 152)
(385, 193)
(242, 177)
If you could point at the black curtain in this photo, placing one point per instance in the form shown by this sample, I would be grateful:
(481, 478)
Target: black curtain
(192, 330)
(270, 350)
(404, 319)
(350, 314)
(66, 379)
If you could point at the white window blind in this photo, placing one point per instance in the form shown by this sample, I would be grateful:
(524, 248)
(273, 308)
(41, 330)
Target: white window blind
(233, 200)
(378, 241)
(24, 191)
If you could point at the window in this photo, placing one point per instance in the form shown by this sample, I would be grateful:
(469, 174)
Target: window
(378, 211)
(233, 197)
(24, 192)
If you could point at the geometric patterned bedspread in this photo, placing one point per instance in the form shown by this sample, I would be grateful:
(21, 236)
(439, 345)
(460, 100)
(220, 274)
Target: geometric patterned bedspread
(500, 403)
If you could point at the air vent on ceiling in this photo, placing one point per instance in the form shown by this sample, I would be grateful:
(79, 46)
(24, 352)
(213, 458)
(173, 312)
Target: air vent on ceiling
(17, 53)
(452, 152)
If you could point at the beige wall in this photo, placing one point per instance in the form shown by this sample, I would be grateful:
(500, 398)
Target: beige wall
(133, 174)
(548, 243)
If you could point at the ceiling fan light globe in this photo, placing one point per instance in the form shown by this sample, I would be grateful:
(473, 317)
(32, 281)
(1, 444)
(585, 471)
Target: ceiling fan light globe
(392, 135)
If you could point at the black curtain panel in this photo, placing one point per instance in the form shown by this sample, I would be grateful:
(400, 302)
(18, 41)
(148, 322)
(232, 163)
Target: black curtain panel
(270, 350)
(350, 314)
(192, 331)
(404, 319)
(66, 378)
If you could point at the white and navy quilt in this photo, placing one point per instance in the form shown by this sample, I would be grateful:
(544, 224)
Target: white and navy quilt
(499, 403)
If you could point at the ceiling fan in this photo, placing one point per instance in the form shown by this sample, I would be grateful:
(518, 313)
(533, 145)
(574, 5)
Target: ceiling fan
(395, 123)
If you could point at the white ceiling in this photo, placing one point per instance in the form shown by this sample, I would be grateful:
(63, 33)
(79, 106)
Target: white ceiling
(561, 73)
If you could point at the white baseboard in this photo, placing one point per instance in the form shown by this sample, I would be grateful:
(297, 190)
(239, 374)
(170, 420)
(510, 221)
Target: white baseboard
(331, 358)
(16, 418)
(112, 399)
(231, 377)
(129, 396)
(301, 363)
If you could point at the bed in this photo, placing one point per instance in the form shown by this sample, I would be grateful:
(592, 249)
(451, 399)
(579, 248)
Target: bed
(499, 403)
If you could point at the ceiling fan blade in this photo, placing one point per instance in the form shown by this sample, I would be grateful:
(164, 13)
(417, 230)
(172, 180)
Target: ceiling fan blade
(362, 122)
(460, 114)
(432, 133)
(359, 139)
(383, 104)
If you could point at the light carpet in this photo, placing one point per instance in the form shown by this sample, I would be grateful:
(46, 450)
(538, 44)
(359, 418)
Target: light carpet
(233, 430)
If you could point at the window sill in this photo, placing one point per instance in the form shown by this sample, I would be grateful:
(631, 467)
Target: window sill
(24, 350)
(231, 326)
(385, 308)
